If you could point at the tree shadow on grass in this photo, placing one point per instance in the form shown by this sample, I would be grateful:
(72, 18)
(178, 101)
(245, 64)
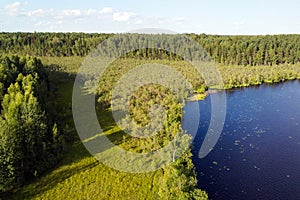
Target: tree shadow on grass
(68, 167)
(70, 163)
(108, 123)
(65, 169)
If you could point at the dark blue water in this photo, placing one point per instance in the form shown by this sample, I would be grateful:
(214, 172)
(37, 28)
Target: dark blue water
(258, 153)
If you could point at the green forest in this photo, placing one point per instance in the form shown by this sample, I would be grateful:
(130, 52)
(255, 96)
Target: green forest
(30, 139)
(41, 155)
(227, 50)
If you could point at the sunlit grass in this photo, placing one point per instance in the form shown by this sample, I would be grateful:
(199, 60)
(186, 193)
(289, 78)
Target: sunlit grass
(81, 176)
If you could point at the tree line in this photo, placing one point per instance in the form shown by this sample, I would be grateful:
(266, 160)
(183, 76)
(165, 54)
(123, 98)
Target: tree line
(251, 50)
(49, 44)
(228, 50)
(30, 140)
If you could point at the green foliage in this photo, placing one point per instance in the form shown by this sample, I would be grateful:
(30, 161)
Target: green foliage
(27, 145)
(49, 44)
(8, 71)
(179, 179)
(251, 50)
(68, 65)
(237, 76)
(80, 176)
(227, 50)
(1, 91)
(25, 128)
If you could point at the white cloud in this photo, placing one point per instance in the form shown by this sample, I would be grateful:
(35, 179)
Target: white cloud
(105, 10)
(58, 17)
(39, 23)
(74, 13)
(122, 16)
(239, 23)
(139, 21)
(36, 13)
(58, 22)
(90, 12)
(179, 20)
(14, 8)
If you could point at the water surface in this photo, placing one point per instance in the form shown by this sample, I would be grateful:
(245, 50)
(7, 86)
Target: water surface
(258, 153)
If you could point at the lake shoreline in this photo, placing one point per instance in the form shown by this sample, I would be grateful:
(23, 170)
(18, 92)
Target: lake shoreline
(202, 96)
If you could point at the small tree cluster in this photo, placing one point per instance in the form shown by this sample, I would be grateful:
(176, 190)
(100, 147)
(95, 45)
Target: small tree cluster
(28, 136)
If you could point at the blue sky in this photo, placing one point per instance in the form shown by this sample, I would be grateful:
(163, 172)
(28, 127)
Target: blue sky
(197, 16)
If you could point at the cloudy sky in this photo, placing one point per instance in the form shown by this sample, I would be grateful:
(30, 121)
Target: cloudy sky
(198, 16)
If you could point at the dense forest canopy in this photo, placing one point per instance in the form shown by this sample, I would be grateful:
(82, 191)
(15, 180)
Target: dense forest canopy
(30, 142)
(251, 50)
(228, 50)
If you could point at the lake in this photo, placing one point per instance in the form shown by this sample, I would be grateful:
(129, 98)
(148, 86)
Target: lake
(258, 153)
